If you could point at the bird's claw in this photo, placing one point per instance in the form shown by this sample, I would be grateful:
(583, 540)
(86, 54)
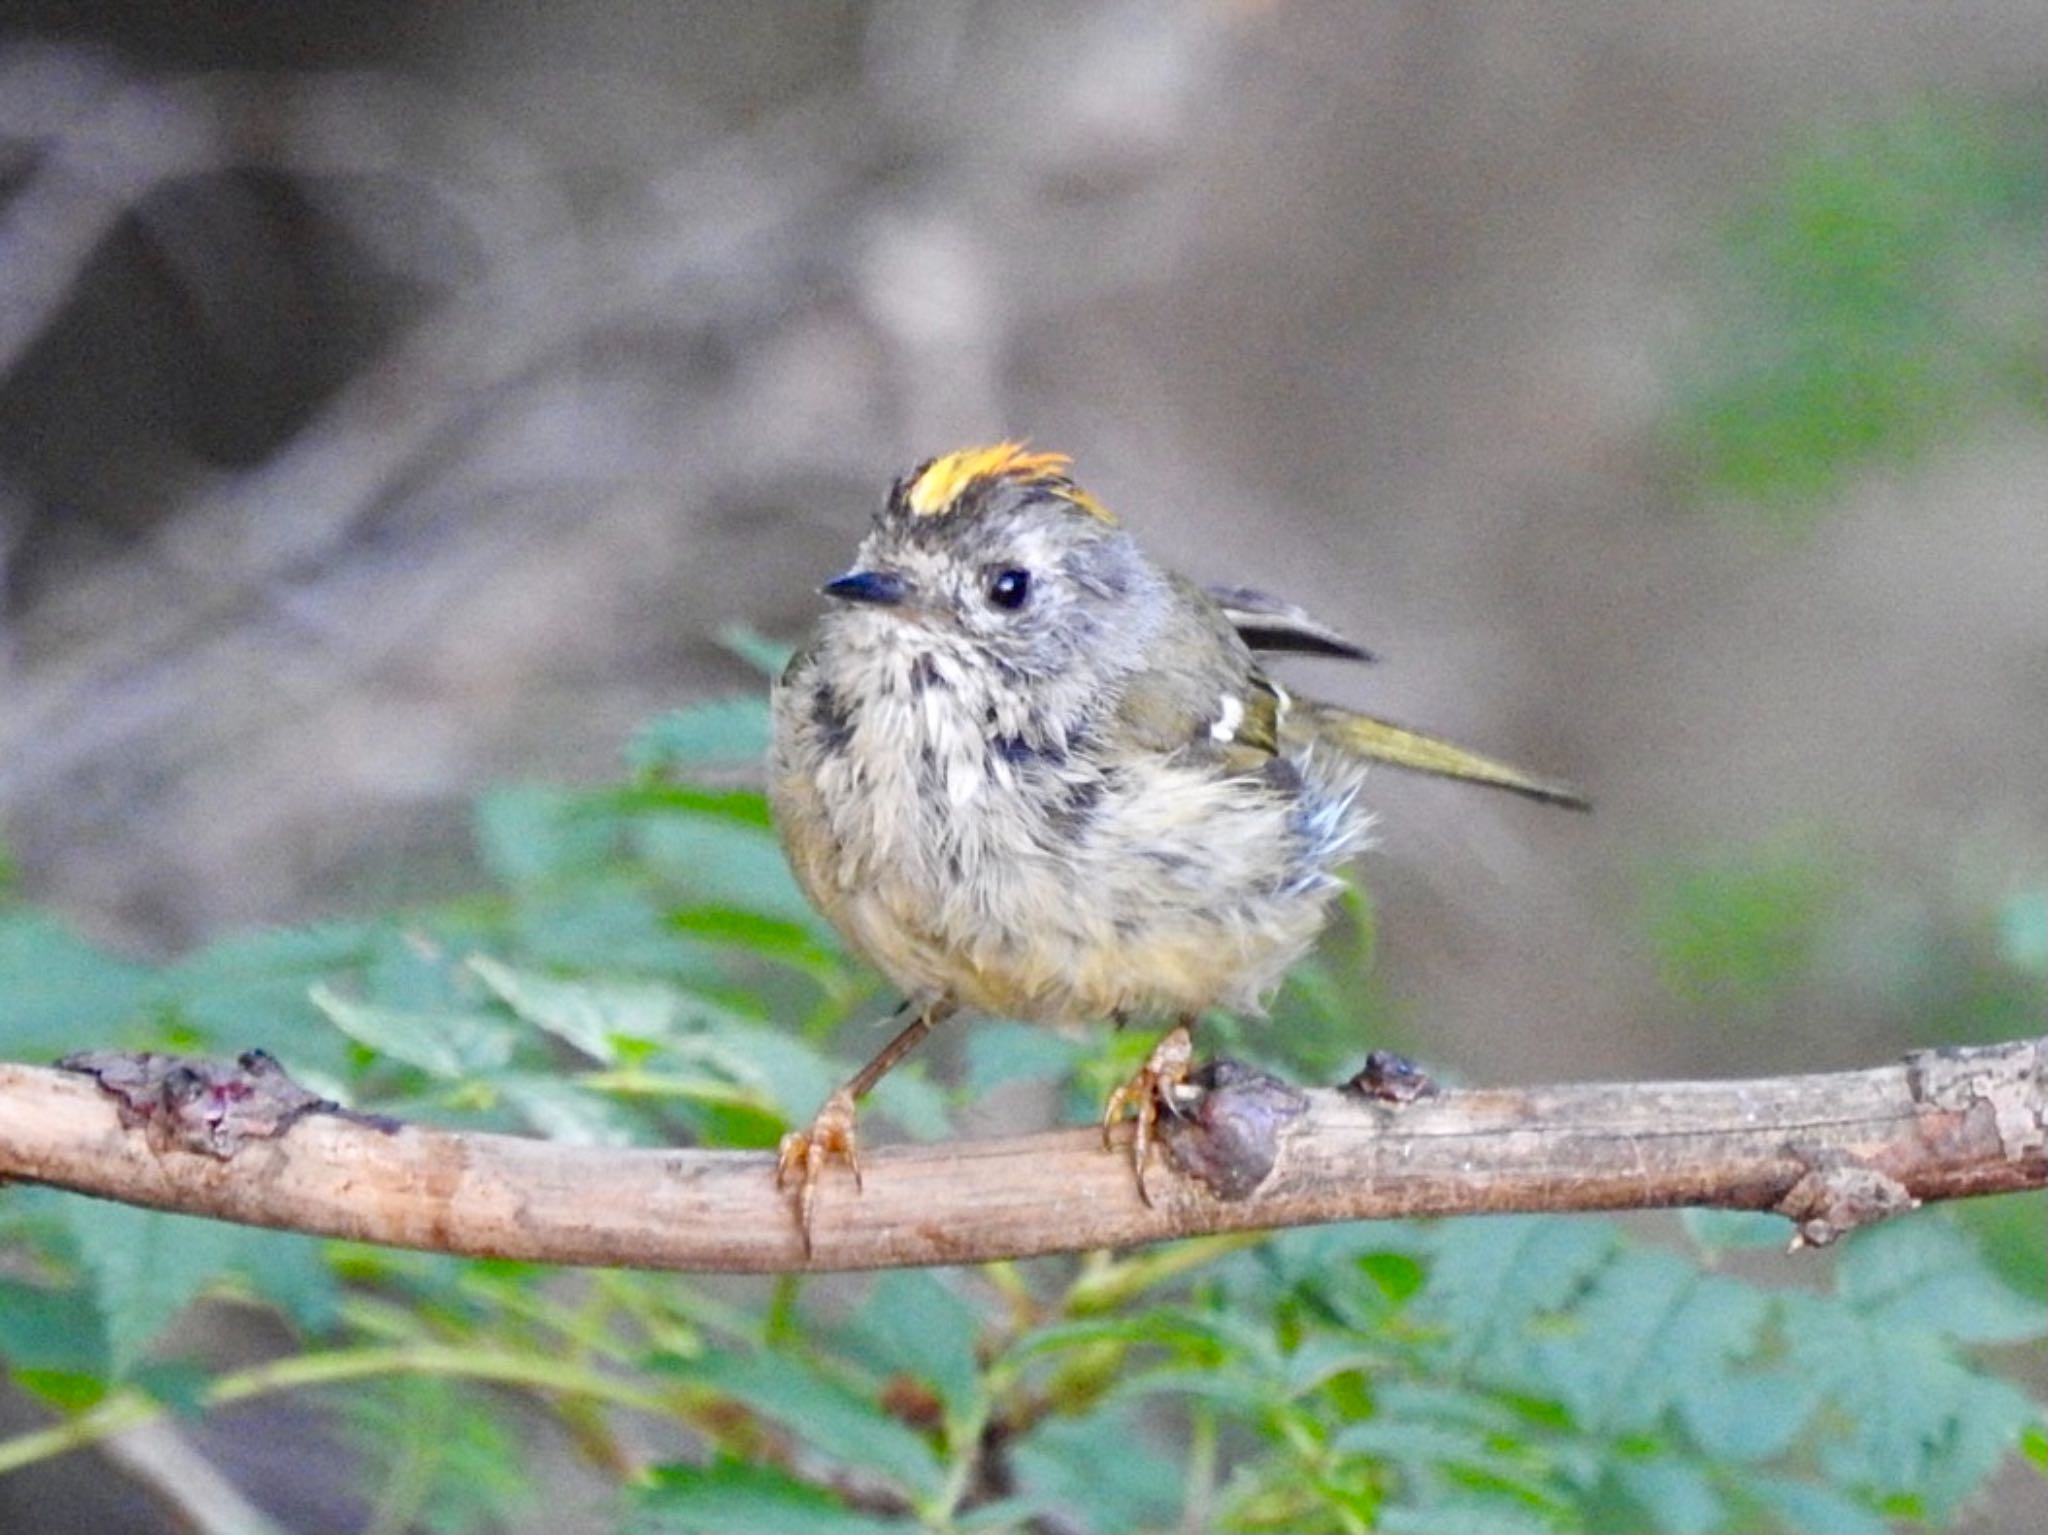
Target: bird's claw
(1151, 1090)
(804, 1155)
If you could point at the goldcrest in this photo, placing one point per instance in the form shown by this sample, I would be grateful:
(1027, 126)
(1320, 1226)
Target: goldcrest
(1026, 771)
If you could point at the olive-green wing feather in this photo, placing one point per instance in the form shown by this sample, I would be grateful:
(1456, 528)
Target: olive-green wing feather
(1237, 727)
(1207, 698)
(1361, 735)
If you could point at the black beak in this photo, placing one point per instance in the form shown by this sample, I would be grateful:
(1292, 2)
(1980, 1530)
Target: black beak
(883, 588)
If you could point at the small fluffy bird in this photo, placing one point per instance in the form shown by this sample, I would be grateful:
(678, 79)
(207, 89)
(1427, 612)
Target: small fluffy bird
(1026, 771)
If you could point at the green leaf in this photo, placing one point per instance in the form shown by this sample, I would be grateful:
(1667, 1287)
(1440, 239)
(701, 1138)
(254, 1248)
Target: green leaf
(250, 989)
(1898, 1392)
(2006, 1231)
(2034, 1444)
(915, 1102)
(1317, 1359)
(1649, 1324)
(1099, 1471)
(295, 954)
(441, 1460)
(1412, 1443)
(564, 1111)
(1994, 1418)
(176, 1384)
(1985, 1435)
(721, 730)
(528, 832)
(1918, 1421)
(2023, 932)
(721, 1060)
(1468, 1513)
(1397, 1276)
(1184, 1334)
(1433, 1402)
(1490, 1277)
(914, 1324)
(742, 807)
(57, 1331)
(830, 1419)
(773, 938)
(612, 923)
(1677, 1495)
(592, 1016)
(408, 970)
(783, 1069)
(58, 992)
(288, 1269)
(1330, 1260)
(448, 1045)
(730, 1497)
(720, 865)
(1924, 1272)
(1238, 1391)
(769, 657)
(145, 1266)
(1807, 1508)
(1747, 1415)
(1005, 1516)
(65, 1390)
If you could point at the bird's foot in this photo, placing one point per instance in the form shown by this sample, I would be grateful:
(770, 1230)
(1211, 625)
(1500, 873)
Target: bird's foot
(804, 1155)
(1152, 1090)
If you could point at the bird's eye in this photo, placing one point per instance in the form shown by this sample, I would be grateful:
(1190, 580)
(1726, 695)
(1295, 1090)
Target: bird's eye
(1009, 588)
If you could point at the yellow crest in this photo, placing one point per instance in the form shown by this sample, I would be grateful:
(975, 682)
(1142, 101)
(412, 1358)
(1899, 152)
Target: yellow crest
(938, 487)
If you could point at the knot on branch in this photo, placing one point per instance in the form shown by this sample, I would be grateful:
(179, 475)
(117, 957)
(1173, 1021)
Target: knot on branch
(1229, 1136)
(187, 1103)
(1837, 1194)
(2009, 1080)
(1390, 1078)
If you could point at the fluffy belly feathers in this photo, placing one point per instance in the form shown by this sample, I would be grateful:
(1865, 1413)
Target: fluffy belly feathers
(1038, 885)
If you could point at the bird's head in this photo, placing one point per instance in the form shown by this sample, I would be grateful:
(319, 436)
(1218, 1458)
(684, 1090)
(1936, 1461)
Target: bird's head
(998, 547)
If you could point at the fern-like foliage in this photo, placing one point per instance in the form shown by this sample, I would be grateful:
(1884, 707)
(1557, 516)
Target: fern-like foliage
(641, 970)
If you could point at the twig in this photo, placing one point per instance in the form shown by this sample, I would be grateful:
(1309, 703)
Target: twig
(179, 1477)
(1828, 1151)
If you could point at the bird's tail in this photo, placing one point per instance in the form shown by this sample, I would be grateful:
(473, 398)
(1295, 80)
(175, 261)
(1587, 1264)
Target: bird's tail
(1361, 735)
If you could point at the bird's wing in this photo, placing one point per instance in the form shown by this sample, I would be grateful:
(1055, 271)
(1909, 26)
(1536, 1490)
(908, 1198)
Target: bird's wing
(1236, 727)
(1204, 698)
(1270, 623)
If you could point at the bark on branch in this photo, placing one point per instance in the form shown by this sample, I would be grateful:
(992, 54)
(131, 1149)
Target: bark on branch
(1828, 1151)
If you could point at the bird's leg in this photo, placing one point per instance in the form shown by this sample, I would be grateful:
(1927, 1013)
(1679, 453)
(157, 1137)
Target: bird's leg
(805, 1154)
(1151, 1090)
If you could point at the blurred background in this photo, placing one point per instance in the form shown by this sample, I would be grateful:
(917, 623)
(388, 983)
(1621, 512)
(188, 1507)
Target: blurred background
(398, 400)
(394, 400)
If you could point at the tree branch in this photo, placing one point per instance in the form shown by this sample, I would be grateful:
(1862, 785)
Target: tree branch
(1828, 1151)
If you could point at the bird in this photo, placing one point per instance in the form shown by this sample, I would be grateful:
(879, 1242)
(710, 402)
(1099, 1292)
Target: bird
(1026, 771)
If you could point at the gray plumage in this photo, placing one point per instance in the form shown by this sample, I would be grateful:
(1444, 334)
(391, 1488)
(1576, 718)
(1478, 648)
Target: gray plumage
(1023, 769)
(1085, 805)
